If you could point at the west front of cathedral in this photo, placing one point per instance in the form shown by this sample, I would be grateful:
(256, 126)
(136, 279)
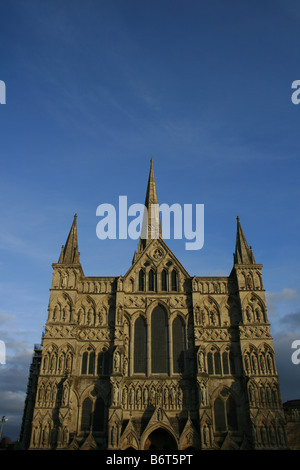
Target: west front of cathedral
(155, 359)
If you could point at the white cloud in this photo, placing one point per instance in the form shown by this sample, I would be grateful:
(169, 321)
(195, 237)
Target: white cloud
(13, 386)
(285, 294)
(9, 242)
(13, 401)
(282, 303)
(7, 319)
(289, 376)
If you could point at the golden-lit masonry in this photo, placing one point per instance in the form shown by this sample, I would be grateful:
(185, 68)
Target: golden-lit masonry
(155, 359)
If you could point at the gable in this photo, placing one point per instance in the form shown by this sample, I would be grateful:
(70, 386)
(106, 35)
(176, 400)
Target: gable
(156, 256)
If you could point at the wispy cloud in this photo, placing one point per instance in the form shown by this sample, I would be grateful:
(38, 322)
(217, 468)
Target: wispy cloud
(285, 294)
(13, 386)
(278, 302)
(284, 316)
(9, 242)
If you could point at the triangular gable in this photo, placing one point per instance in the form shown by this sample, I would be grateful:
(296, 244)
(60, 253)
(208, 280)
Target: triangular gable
(189, 436)
(229, 443)
(155, 253)
(159, 419)
(129, 436)
(89, 443)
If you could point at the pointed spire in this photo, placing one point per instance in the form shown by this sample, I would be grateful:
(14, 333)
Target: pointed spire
(69, 252)
(243, 254)
(151, 227)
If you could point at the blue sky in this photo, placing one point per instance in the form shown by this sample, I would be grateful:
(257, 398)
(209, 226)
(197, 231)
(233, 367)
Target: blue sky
(93, 90)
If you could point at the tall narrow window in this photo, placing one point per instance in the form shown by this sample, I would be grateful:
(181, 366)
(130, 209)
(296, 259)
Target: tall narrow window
(178, 345)
(86, 415)
(217, 363)
(100, 364)
(98, 417)
(174, 280)
(164, 280)
(225, 363)
(214, 362)
(219, 412)
(210, 365)
(141, 280)
(231, 414)
(225, 412)
(151, 280)
(228, 362)
(159, 341)
(140, 346)
(92, 363)
(103, 363)
(106, 367)
(84, 362)
(88, 362)
(232, 363)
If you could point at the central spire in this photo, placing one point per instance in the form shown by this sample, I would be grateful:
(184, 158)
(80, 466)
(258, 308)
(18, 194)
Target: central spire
(69, 253)
(151, 227)
(243, 254)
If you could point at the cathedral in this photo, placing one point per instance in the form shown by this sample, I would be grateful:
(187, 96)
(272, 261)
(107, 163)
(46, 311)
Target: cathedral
(154, 359)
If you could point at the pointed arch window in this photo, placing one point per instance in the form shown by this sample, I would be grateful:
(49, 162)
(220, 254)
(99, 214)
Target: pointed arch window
(228, 362)
(151, 280)
(164, 277)
(210, 364)
(92, 415)
(225, 415)
(86, 415)
(103, 362)
(214, 362)
(159, 341)
(174, 279)
(98, 415)
(140, 346)
(84, 362)
(219, 413)
(178, 333)
(88, 362)
(217, 363)
(225, 363)
(231, 415)
(141, 280)
(92, 363)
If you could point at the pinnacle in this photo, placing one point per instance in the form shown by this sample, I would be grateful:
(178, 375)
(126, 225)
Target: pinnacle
(151, 227)
(243, 254)
(69, 253)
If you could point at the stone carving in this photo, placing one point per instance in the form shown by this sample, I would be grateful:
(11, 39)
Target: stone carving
(141, 395)
(157, 254)
(135, 301)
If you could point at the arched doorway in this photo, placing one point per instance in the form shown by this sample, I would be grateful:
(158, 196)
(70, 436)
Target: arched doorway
(160, 439)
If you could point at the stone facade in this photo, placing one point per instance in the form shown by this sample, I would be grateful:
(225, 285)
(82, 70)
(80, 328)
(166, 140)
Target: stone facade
(292, 415)
(155, 359)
